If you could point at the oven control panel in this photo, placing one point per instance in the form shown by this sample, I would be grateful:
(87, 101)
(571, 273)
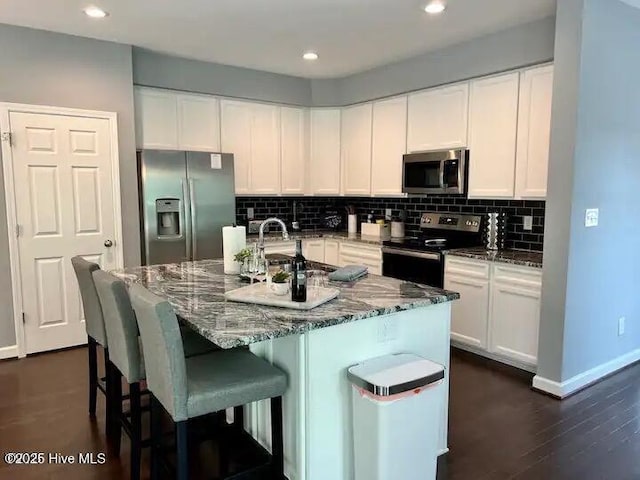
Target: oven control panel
(451, 221)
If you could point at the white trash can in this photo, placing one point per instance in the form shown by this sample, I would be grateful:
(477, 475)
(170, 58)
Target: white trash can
(396, 417)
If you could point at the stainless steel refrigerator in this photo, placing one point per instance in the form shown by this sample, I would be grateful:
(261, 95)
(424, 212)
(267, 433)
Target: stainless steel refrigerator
(185, 200)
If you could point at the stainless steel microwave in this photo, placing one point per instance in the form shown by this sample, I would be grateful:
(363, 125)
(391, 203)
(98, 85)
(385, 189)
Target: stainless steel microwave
(438, 172)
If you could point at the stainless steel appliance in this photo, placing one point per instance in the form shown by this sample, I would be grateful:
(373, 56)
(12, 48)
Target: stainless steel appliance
(421, 259)
(439, 172)
(185, 200)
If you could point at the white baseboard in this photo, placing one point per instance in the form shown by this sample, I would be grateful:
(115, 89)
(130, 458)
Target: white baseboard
(494, 356)
(9, 352)
(583, 379)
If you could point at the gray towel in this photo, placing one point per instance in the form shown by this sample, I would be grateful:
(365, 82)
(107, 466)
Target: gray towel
(348, 273)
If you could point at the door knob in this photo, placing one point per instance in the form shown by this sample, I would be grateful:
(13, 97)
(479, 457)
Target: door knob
(108, 243)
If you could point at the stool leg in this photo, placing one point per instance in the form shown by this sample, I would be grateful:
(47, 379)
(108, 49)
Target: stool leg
(108, 374)
(136, 429)
(116, 407)
(181, 450)
(277, 447)
(93, 375)
(156, 437)
(238, 417)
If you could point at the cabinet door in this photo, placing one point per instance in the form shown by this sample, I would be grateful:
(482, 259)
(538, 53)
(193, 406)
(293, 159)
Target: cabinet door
(294, 150)
(356, 149)
(534, 129)
(198, 123)
(324, 172)
(469, 315)
(236, 121)
(389, 144)
(265, 150)
(313, 250)
(493, 120)
(283, 248)
(331, 252)
(156, 119)
(515, 313)
(438, 118)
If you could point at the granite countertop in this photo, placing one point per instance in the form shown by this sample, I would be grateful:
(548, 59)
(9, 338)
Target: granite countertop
(196, 291)
(514, 257)
(307, 234)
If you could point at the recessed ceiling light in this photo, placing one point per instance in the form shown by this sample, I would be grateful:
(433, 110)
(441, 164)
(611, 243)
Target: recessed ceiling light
(95, 12)
(310, 56)
(435, 7)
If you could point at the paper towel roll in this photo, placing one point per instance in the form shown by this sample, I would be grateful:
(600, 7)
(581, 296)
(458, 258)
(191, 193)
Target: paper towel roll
(234, 239)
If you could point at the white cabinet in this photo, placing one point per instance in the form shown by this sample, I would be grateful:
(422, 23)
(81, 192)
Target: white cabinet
(361, 254)
(198, 123)
(534, 129)
(437, 118)
(498, 314)
(389, 144)
(293, 166)
(324, 167)
(470, 314)
(331, 252)
(493, 120)
(515, 313)
(283, 248)
(156, 119)
(313, 250)
(356, 149)
(251, 131)
(168, 120)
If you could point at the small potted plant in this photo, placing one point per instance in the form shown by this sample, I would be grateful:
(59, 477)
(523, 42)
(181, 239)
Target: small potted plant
(242, 255)
(280, 283)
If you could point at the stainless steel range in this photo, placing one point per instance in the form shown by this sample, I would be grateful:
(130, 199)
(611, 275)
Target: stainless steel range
(421, 259)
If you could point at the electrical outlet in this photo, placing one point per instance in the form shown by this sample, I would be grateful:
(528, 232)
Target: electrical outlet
(621, 322)
(387, 331)
(250, 215)
(528, 223)
(387, 214)
(591, 217)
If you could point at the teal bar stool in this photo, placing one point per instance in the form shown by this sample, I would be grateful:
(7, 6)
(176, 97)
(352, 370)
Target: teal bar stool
(198, 386)
(127, 359)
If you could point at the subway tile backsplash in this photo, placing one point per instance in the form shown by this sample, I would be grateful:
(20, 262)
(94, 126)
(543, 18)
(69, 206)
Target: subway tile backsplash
(311, 211)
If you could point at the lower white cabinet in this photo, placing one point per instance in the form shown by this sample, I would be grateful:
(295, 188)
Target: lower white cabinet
(284, 248)
(314, 250)
(331, 252)
(360, 254)
(498, 313)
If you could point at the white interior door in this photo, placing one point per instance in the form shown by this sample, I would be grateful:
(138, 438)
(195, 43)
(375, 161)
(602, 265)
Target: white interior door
(64, 194)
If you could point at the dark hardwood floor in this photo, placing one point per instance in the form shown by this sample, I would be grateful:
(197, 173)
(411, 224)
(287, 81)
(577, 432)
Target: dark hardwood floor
(499, 428)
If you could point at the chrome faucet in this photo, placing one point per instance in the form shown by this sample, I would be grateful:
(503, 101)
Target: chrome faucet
(285, 234)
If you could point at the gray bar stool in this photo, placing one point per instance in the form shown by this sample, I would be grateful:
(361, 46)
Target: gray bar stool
(197, 386)
(127, 358)
(96, 335)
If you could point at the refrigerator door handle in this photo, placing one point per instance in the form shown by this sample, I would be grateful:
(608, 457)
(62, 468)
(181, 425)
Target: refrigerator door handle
(187, 215)
(194, 231)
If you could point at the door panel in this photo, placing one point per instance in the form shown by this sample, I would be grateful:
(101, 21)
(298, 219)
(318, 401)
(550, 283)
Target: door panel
(265, 150)
(389, 144)
(470, 314)
(213, 203)
(64, 206)
(236, 138)
(356, 149)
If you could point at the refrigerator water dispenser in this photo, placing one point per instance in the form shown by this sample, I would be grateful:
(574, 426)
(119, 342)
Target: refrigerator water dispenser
(168, 214)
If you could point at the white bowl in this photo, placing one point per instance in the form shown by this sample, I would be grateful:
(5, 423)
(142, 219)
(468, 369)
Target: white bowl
(280, 288)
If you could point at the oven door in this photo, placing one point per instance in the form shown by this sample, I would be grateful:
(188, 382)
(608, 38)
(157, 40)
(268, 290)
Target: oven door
(426, 268)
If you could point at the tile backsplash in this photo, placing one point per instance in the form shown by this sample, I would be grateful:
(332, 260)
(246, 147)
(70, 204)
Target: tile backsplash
(311, 211)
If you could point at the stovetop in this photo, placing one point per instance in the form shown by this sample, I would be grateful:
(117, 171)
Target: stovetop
(429, 244)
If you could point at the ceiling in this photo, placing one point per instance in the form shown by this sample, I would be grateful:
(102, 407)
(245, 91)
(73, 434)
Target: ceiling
(349, 35)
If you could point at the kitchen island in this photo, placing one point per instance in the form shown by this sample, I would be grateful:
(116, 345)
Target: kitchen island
(371, 317)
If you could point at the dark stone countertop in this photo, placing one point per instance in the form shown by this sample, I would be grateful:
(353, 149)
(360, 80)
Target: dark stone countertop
(196, 292)
(523, 258)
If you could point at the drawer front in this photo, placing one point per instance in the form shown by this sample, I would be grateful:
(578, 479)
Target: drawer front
(285, 248)
(361, 250)
(518, 276)
(466, 267)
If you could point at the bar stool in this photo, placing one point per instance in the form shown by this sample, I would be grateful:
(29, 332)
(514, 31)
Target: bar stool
(197, 386)
(127, 359)
(96, 335)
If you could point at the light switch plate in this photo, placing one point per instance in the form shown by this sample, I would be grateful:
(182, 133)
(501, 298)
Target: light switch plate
(591, 217)
(528, 223)
(250, 215)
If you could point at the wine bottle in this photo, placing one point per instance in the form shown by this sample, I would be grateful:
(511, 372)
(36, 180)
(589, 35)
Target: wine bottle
(299, 275)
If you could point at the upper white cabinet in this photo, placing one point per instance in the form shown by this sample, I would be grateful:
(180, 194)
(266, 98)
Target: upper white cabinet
(437, 118)
(389, 144)
(324, 161)
(198, 123)
(356, 149)
(294, 133)
(171, 121)
(493, 122)
(251, 131)
(534, 129)
(156, 119)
